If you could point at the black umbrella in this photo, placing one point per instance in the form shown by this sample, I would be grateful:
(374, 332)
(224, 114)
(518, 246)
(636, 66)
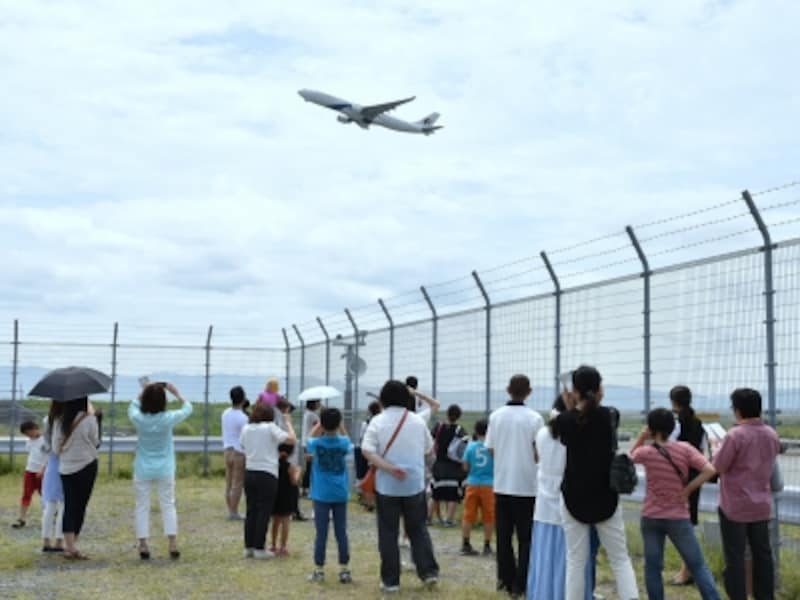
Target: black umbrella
(63, 385)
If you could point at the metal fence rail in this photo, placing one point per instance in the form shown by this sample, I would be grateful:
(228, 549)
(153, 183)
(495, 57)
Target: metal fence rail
(708, 298)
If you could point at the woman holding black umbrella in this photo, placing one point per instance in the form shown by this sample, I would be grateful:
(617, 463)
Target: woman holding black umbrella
(76, 437)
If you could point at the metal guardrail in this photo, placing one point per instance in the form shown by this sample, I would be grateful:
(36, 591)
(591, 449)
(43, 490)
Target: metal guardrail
(127, 445)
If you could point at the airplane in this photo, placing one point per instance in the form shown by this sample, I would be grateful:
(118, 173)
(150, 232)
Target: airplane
(364, 116)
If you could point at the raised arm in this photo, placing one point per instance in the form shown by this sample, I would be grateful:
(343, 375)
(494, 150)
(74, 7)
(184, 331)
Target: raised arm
(176, 416)
(432, 402)
(292, 437)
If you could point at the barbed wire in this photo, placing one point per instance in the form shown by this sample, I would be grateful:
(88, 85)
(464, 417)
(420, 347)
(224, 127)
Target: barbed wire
(700, 243)
(687, 215)
(780, 205)
(779, 188)
(689, 228)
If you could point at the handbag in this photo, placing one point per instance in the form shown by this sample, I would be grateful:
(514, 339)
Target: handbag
(457, 446)
(367, 485)
(622, 477)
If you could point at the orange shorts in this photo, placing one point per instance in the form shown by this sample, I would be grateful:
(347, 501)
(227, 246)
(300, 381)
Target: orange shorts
(479, 496)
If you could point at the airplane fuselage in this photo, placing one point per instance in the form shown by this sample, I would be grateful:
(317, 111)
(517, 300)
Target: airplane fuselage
(351, 113)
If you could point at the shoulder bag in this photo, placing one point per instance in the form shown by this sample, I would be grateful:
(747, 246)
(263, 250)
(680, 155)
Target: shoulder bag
(622, 478)
(71, 431)
(367, 485)
(663, 452)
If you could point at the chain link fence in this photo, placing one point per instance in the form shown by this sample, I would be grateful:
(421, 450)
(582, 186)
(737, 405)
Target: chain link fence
(708, 298)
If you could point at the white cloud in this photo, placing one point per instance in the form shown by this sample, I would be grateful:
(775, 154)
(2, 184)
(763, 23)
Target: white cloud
(157, 165)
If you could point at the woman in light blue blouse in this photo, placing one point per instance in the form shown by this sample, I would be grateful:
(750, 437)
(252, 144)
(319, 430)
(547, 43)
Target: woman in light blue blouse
(155, 460)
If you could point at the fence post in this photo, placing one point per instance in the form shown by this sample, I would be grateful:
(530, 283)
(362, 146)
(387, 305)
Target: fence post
(113, 400)
(302, 358)
(288, 360)
(206, 400)
(327, 352)
(14, 370)
(488, 341)
(435, 342)
(354, 399)
(769, 297)
(557, 294)
(391, 337)
(646, 275)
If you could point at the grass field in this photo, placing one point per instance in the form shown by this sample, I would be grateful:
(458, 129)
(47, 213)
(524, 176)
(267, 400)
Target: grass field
(212, 567)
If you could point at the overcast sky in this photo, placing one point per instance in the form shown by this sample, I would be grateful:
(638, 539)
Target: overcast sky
(157, 166)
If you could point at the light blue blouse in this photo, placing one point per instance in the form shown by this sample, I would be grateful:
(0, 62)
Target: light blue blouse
(155, 449)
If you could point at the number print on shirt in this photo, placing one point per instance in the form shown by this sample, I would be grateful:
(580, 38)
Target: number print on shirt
(331, 460)
(481, 457)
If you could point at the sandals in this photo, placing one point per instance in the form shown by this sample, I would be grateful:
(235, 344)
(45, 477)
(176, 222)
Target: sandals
(686, 582)
(74, 555)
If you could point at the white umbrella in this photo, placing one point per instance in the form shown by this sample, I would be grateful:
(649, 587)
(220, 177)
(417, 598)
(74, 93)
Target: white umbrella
(320, 392)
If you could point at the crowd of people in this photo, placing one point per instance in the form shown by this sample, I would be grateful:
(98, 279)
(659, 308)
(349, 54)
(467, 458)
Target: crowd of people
(544, 488)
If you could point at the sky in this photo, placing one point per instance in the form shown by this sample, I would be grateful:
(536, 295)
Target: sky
(158, 169)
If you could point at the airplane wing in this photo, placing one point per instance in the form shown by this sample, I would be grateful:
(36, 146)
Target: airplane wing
(370, 112)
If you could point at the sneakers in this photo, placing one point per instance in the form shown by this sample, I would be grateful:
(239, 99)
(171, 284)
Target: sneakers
(487, 550)
(448, 524)
(345, 576)
(263, 554)
(18, 524)
(317, 576)
(468, 550)
(235, 517)
(248, 552)
(389, 589)
(430, 581)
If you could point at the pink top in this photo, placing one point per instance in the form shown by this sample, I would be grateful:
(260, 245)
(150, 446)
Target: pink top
(664, 487)
(745, 461)
(270, 398)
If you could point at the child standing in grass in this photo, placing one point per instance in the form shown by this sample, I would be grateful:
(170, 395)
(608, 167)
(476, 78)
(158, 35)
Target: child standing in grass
(285, 500)
(479, 465)
(329, 447)
(34, 469)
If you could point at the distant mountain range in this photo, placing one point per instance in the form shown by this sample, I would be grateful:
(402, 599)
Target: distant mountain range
(624, 398)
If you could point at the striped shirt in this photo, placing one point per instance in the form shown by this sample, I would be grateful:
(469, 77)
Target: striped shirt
(662, 499)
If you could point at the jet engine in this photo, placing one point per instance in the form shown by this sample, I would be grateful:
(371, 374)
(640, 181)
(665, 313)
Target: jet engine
(343, 119)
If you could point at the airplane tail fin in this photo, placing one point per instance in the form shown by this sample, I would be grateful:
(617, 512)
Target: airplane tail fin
(429, 120)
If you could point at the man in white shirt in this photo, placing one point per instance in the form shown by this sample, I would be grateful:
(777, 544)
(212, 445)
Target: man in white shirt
(400, 484)
(233, 420)
(511, 439)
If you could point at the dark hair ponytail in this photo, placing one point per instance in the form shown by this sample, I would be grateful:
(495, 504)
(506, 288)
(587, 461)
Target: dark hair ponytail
(681, 396)
(586, 382)
(558, 406)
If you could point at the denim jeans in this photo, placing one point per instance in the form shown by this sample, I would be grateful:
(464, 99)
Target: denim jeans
(414, 510)
(735, 536)
(322, 517)
(681, 533)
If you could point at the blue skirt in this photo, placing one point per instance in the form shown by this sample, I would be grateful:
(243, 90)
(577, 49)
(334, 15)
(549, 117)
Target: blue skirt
(51, 484)
(547, 569)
